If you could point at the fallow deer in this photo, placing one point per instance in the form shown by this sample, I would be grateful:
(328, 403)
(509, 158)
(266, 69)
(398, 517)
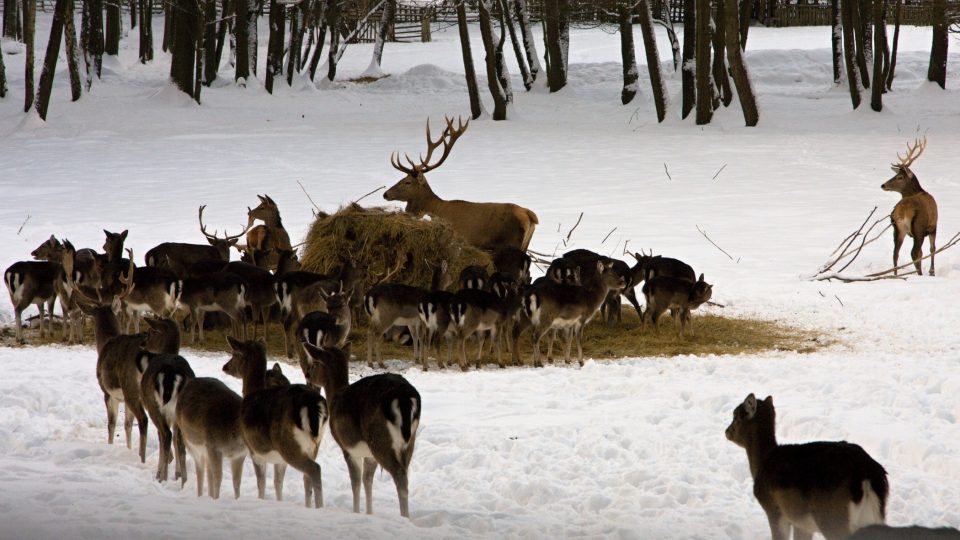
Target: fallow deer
(179, 257)
(434, 312)
(214, 292)
(264, 242)
(678, 294)
(157, 290)
(275, 377)
(485, 225)
(32, 282)
(165, 374)
(85, 269)
(831, 488)
(514, 263)
(916, 213)
(568, 307)
(392, 304)
(884, 532)
(259, 293)
(374, 421)
(586, 261)
(652, 266)
(475, 312)
(315, 296)
(329, 328)
(474, 277)
(281, 425)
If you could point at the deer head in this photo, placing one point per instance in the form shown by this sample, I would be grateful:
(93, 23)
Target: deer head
(113, 245)
(414, 185)
(904, 181)
(267, 211)
(221, 244)
(51, 250)
(752, 420)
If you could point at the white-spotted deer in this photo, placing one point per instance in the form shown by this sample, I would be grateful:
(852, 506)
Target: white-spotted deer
(373, 420)
(831, 488)
(567, 307)
(281, 425)
(916, 213)
(485, 225)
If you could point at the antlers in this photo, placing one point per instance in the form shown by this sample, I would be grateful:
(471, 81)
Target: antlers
(447, 138)
(912, 154)
(203, 229)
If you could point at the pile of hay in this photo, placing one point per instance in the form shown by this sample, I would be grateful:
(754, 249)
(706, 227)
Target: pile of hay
(378, 240)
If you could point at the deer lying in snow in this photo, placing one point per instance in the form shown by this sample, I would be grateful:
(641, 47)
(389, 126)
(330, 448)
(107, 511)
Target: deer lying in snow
(916, 213)
(374, 420)
(831, 488)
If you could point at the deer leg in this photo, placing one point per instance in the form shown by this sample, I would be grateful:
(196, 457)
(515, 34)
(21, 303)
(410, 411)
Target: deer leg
(112, 408)
(18, 316)
(128, 424)
(214, 472)
(198, 465)
(498, 338)
(779, 526)
(369, 469)
(567, 345)
(180, 452)
(536, 334)
(197, 326)
(354, 467)
(801, 535)
(898, 237)
(279, 471)
(63, 323)
(917, 252)
(236, 474)
(462, 341)
(142, 424)
(309, 467)
(163, 433)
(287, 340)
(579, 332)
(933, 252)
(400, 479)
(550, 339)
(631, 295)
(41, 310)
(260, 469)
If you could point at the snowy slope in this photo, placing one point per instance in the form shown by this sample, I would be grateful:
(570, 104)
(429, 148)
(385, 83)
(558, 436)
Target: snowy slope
(632, 448)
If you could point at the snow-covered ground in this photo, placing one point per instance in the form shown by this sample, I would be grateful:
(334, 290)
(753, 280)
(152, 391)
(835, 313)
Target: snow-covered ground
(631, 448)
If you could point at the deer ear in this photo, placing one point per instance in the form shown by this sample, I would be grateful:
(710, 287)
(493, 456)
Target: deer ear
(123, 235)
(235, 344)
(769, 401)
(750, 406)
(276, 368)
(701, 278)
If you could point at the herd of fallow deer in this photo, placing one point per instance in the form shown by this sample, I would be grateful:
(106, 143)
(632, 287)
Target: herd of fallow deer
(832, 488)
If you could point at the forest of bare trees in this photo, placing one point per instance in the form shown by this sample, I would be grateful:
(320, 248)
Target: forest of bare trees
(201, 35)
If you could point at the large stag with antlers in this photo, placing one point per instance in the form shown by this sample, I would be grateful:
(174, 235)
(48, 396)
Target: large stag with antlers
(179, 257)
(916, 213)
(486, 225)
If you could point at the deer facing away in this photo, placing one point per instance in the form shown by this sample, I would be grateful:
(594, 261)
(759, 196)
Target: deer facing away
(485, 225)
(831, 488)
(916, 213)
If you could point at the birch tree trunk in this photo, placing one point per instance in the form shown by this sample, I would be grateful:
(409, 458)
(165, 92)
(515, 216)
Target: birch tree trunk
(653, 59)
(741, 79)
(704, 103)
(469, 70)
(50, 59)
(386, 22)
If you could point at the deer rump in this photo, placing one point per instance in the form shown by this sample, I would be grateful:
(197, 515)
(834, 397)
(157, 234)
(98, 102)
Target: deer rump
(370, 401)
(270, 415)
(797, 477)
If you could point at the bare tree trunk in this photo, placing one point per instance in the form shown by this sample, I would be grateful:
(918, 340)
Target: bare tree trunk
(896, 43)
(182, 64)
(50, 60)
(200, 30)
(507, 21)
(836, 40)
(627, 51)
(529, 45)
(211, 62)
(653, 59)
(688, 67)
(741, 79)
(746, 8)
(503, 74)
(223, 25)
(133, 14)
(554, 16)
(3, 76)
(333, 23)
(321, 38)
(240, 26)
(146, 31)
(111, 43)
(879, 42)
(471, 74)
(493, 81)
(937, 70)
(859, 34)
(253, 37)
(704, 103)
(275, 44)
(11, 20)
(386, 22)
(29, 25)
(297, 22)
(72, 52)
(719, 63)
(168, 17)
(849, 51)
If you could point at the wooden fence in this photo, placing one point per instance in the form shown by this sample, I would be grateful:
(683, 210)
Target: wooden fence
(819, 15)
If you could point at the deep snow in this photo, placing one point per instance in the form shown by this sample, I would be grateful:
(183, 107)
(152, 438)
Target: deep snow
(631, 448)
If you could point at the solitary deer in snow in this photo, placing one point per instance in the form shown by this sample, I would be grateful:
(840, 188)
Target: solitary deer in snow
(831, 488)
(374, 420)
(916, 213)
(485, 225)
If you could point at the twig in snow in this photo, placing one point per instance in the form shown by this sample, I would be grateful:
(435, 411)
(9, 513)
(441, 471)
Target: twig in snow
(720, 171)
(714, 243)
(625, 247)
(608, 236)
(575, 225)
(22, 225)
(839, 300)
(952, 242)
(309, 198)
(711, 303)
(369, 194)
(667, 171)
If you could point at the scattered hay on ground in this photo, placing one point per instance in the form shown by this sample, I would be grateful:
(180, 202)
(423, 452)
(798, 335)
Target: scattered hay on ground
(378, 240)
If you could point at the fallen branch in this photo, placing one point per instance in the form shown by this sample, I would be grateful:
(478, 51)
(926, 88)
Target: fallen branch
(954, 240)
(844, 246)
(608, 236)
(309, 198)
(714, 243)
(666, 171)
(22, 225)
(368, 194)
(720, 171)
(575, 225)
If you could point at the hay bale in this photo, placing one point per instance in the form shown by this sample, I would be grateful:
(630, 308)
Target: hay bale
(378, 240)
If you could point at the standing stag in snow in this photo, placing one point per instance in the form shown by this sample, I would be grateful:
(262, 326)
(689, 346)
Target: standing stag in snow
(485, 225)
(916, 213)
(831, 488)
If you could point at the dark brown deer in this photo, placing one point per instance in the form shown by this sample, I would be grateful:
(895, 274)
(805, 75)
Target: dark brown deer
(259, 292)
(264, 242)
(214, 292)
(180, 257)
(677, 294)
(281, 425)
(568, 307)
(485, 225)
(32, 282)
(328, 328)
(916, 213)
(156, 290)
(434, 312)
(831, 488)
(86, 267)
(393, 304)
(374, 420)
(477, 312)
(514, 263)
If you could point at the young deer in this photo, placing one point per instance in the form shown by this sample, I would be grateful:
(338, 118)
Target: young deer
(32, 282)
(329, 328)
(586, 261)
(485, 225)
(315, 297)
(282, 425)
(678, 294)
(916, 213)
(831, 488)
(392, 304)
(214, 292)
(259, 293)
(475, 312)
(156, 290)
(434, 312)
(164, 379)
(373, 420)
(567, 307)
